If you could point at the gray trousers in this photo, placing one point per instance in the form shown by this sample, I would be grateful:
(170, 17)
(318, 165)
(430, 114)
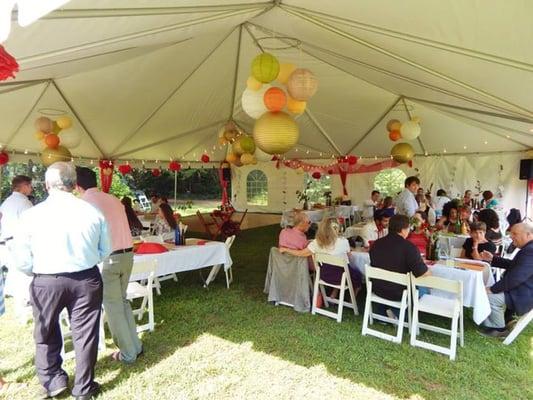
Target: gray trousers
(496, 319)
(116, 275)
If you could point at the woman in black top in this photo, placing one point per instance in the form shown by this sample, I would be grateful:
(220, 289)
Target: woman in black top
(477, 243)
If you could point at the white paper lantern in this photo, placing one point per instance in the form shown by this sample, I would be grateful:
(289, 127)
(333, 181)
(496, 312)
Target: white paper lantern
(70, 139)
(253, 103)
(410, 130)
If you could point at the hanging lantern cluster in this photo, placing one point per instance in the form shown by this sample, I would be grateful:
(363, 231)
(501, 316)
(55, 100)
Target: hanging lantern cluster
(273, 107)
(409, 130)
(56, 142)
(243, 146)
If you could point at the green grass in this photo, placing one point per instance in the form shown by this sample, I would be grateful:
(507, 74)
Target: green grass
(224, 344)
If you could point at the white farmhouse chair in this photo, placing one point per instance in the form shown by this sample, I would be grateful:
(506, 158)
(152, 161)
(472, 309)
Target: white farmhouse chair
(521, 324)
(135, 291)
(404, 304)
(158, 279)
(444, 307)
(229, 272)
(64, 324)
(320, 284)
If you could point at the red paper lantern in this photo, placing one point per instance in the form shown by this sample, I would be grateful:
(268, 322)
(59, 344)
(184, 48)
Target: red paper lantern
(125, 169)
(410, 163)
(205, 158)
(330, 171)
(51, 140)
(156, 172)
(352, 160)
(8, 65)
(174, 166)
(4, 158)
(317, 175)
(275, 99)
(395, 135)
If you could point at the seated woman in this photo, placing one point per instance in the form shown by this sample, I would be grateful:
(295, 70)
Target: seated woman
(488, 200)
(165, 224)
(328, 241)
(419, 236)
(136, 227)
(477, 243)
(492, 222)
(450, 217)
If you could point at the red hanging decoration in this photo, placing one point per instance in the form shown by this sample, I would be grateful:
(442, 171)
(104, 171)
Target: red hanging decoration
(174, 166)
(205, 158)
(156, 172)
(410, 163)
(352, 160)
(4, 158)
(125, 169)
(316, 175)
(8, 65)
(106, 174)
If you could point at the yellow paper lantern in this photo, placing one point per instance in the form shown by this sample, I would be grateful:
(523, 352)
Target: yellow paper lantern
(302, 84)
(393, 125)
(265, 68)
(285, 71)
(222, 140)
(50, 156)
(402, 152)
(253, 103)
(295, 106)
(39, 135)
(253, 84)
(276, 132)
(247, 159)
(55, 128)
(231, 158)
(64, 122)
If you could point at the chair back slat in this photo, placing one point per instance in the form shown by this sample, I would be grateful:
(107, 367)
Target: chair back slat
(322, 258)
(435, 282)
(229, 241)
(384, 275)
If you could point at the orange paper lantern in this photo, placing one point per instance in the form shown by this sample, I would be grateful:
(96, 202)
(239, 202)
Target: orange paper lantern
(275, 99)
(395, 135)
(51, 140)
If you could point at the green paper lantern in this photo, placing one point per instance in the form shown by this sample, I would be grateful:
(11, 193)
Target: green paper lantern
(265, 68)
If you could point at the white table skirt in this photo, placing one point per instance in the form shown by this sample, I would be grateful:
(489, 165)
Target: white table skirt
(188, 258)
(474, 292)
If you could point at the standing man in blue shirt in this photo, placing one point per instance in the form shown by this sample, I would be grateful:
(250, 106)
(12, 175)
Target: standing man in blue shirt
(60, 241)
(406, 203)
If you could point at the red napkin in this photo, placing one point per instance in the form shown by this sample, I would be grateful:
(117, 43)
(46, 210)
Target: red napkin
(201, 242)
(151, 248)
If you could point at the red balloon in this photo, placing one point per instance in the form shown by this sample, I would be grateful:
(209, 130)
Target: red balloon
(156, 172)
(4, 158)
(316, 175)
(395, 135)
(125, 169)
(174, 166)
(352, 160)
(51, 140)
(205, 158)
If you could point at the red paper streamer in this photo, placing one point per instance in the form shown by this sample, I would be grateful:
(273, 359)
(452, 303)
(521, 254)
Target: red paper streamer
(106, 174)
(4, 158)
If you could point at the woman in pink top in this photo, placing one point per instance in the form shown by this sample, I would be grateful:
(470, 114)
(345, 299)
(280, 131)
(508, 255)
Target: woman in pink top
(294, 238)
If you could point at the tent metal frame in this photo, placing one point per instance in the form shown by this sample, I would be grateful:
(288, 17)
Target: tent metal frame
(410, 118)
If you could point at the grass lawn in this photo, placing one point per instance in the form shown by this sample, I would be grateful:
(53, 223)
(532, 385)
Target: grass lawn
(230, 344)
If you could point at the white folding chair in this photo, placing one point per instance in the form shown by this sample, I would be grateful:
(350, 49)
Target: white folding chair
(335, 262)
(135, 291)
(229, 272)
(404, 304)
(158, 279)
(444, 307)
(64, 324)
(521, 324)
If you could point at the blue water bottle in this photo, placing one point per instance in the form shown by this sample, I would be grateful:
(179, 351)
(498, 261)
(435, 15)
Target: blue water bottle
(177, 239)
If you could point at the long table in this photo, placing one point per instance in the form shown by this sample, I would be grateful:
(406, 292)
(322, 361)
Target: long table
(189, 258)
(474, 283)
(315, 216)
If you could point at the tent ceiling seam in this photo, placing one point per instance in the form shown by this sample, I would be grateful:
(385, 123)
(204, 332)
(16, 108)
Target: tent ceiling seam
(397, 57)
(200, 142)
(171, 94)
(410, 118)
(322, 131)
(382, 116)
(493, 58)
(73, 110)
(236, 73)
(178, 136)
(30, 111)
(22, 86)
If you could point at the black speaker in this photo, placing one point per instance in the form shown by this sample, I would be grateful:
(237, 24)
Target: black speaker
(526, 169)
(226, 174)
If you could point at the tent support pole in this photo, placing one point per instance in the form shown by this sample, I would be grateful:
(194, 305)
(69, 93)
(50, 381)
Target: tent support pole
(30, 111)
(178, 136)
(322, 131)
(254, 39)
(411, 117)
(400, 58)
(73, 110)
(170, 95)
(236, 73)
(369, 130)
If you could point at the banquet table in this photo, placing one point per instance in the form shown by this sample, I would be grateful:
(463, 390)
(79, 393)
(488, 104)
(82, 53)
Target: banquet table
(188, 258)
(474, 283)
(315, 216)
(353, 231)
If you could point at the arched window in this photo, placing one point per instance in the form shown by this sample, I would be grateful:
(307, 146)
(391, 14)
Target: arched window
(390, 181)
(257, 188)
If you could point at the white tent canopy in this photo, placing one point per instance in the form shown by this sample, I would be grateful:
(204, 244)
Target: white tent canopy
(156, 80)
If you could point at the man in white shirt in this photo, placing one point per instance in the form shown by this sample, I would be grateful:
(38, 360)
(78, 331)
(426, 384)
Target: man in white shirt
(441, 199)
(17, 283)
(369, 206)
(375, 229)
(406, 202)
(60, 241)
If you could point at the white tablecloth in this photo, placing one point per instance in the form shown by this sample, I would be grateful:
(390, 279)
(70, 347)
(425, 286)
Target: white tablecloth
(474, 292)
(358, 260)
(188, 258)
